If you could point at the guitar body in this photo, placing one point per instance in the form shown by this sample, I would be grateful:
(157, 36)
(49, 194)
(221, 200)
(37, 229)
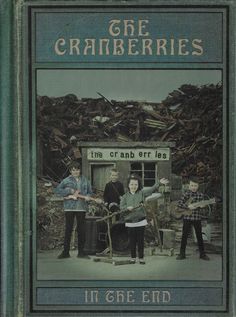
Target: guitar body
(179, 213)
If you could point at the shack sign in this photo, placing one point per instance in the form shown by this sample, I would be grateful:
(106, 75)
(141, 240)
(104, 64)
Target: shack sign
(113, 154)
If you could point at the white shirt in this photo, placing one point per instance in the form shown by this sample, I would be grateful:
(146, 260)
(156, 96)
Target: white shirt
(141, 223)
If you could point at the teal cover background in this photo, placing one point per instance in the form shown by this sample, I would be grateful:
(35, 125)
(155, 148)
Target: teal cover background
(172, 25)
(9, 286)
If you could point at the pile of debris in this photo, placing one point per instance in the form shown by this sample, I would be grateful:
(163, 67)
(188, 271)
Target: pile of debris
(190, 116)
(198, 115)
(50, 218)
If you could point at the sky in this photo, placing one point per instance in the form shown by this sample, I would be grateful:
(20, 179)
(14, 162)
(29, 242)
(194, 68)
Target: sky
(121, 85)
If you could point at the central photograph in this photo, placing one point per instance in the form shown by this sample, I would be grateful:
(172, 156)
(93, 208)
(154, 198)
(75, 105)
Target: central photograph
(129, 182)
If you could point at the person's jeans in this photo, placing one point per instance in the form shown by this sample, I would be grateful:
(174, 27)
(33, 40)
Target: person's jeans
(187, 224)
(80, 219)
(136, 236)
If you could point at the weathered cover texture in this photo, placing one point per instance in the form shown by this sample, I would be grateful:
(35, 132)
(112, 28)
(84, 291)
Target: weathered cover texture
(142, 88)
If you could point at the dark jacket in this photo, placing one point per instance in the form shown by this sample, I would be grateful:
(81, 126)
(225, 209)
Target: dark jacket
(112, 192)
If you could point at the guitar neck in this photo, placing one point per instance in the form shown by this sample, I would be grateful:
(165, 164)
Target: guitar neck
(84, 197)
(81, 197)
(204, 203)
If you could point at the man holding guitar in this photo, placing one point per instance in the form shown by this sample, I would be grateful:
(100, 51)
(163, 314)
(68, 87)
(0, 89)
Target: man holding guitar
(76, 190)
(189, 201)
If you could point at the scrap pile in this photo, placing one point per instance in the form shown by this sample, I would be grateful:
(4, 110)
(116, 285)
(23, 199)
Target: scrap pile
(190, 116)
(50, 218)
(197, 131)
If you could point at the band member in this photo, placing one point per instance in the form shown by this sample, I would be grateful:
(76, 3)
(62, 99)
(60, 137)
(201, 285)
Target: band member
(192, 195)
(134, 214)
(70, 187)
(113, 191)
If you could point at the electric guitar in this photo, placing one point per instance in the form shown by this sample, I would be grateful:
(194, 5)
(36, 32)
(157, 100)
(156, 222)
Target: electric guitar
(178, 212)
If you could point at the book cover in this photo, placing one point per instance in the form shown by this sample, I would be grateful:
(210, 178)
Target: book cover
(117, 151)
